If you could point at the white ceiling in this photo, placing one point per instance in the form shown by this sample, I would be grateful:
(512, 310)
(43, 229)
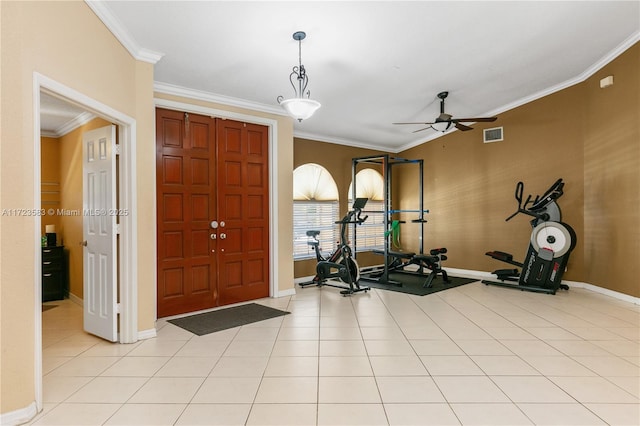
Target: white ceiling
(58, 117)
(374, 63)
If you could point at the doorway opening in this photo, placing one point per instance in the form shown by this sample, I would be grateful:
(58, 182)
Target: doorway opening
(126, 284)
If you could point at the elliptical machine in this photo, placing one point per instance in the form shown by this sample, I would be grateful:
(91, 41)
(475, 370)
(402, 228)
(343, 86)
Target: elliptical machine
(340, 264)
(550, 245)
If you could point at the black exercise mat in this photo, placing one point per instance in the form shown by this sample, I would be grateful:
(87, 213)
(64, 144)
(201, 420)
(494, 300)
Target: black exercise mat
(210, 322)
(412, 284)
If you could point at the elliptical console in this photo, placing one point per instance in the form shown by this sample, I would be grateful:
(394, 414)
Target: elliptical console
(550, 245)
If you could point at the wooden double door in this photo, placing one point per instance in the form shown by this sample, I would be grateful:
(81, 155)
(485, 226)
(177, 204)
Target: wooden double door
(212, 182)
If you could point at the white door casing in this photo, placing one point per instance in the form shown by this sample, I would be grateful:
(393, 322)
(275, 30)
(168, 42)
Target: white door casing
(99, 233)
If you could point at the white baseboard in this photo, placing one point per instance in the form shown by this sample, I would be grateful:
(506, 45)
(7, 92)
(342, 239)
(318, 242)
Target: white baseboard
(284, 293)
(481, 275)
(147, 334)
(303, 279)
(75, 299)
(18, 417)
(605, 291)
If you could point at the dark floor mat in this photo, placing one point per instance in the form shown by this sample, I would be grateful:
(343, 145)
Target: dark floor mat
(412, 284)
(210, 322)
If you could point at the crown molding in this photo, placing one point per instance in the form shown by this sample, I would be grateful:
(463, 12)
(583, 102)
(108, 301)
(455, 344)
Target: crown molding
(112, 23)
(172, 89)
(69, 126)
(341, 141)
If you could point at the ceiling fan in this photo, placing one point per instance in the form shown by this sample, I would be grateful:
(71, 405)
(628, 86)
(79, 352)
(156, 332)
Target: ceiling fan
(444, 121)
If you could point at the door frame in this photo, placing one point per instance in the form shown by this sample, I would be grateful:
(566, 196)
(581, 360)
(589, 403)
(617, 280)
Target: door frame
(128, 241)
(272, 125)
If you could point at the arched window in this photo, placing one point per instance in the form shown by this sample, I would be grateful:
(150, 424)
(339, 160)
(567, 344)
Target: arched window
(315, 207)
(370, 235)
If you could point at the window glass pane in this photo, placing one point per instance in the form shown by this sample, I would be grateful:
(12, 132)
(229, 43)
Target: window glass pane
(314, 215)
(370, 235)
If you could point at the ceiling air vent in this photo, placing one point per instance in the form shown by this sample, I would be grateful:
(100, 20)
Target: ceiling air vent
(493, 135)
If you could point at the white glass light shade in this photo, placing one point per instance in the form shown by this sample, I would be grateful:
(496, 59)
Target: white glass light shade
(300, 108)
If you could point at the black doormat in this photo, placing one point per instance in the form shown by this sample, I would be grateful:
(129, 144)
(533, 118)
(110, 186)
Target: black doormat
(412, 284)
(210, 322)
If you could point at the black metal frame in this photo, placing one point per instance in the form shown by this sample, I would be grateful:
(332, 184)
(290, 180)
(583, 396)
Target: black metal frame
(388, 163)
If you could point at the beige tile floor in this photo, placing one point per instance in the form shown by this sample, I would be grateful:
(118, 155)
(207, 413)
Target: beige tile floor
(473, 355)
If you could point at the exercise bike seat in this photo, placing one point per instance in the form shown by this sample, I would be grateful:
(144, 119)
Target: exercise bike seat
(313, 234)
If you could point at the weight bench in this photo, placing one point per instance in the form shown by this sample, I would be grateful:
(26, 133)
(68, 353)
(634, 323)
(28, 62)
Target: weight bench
(432, 262)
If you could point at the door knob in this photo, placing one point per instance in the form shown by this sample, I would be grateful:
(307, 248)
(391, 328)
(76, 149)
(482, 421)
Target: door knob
(214, 224)
(83, 243)
(213, 236)
(223, 236)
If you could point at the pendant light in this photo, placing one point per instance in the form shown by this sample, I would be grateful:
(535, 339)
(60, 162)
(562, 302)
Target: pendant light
(300, 107)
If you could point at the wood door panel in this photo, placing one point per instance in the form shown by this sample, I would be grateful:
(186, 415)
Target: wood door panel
(201, 277)
(201, 136)
(200, 244)
(173, 245)
(172, 207)
(172, 133)
(200, 210)
(173, 280)
(233, 173)
(256, 206)
(255, 241)
(172, 170)
(243, 167)
(186, 202)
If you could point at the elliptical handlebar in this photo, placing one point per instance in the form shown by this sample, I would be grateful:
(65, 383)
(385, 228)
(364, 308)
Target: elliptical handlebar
(539, 203)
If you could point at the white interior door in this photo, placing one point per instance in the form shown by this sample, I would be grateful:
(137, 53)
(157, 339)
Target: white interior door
(99, 233)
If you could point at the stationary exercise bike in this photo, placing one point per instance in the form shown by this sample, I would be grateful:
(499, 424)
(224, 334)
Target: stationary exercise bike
(340, 264)
(550, 245)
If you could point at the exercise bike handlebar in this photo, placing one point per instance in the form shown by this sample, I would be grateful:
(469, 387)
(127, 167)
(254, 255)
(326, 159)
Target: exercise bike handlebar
(349, 218)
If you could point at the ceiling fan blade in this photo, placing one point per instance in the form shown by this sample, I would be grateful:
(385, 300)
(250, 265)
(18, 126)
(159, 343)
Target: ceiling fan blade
(419, 130)
(422, 122)
(476, 120)
(462, 127)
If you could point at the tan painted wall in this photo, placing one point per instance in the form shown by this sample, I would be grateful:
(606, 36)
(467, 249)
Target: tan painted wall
(50, 181)
(66, 42)
(611, 243)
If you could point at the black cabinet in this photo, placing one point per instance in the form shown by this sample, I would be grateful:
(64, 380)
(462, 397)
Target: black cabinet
(53, 273)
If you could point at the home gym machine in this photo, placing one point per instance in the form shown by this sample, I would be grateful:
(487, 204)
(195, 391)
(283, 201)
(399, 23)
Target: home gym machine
(550, 245)
(396, 261)
(340, 264)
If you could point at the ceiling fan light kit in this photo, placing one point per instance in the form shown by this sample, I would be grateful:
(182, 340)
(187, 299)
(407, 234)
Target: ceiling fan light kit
(301, 106)
(446, 121)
